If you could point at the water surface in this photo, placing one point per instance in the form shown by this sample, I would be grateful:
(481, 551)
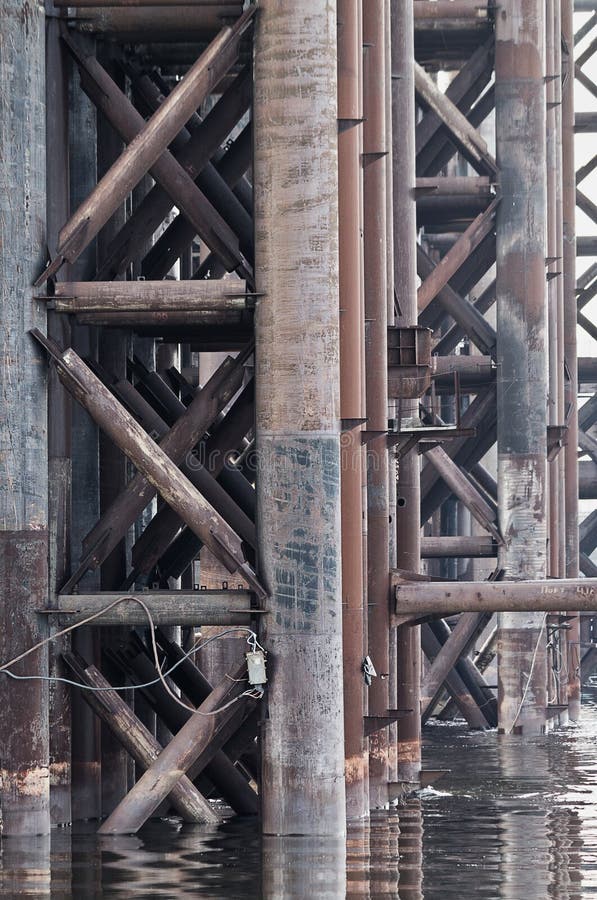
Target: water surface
(511, 819)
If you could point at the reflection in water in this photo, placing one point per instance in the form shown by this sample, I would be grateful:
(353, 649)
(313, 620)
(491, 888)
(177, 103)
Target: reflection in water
(303, 868)
(513, 820)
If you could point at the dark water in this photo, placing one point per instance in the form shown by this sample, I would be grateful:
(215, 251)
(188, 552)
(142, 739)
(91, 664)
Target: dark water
(513, 820)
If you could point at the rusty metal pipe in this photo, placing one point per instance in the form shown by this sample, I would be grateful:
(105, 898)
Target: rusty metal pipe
(570, 354)
(354, 613)
(522, 342)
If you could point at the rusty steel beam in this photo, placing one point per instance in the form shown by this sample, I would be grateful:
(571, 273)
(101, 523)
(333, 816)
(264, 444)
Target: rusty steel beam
(209, 180)
(137, 740)
(455, 685)
(450, 9)
(148, 145)
(463, 90)
(161, 531)
(180, 440)
(465, 136)
(162, 32)
(414, 600)
(463, 488)
(297, 414)
(354, 610)
(458, 547)
(522, 343)
(155, 206)
(200, 735)
(229, 782)
(459, 643)
(166, 170)
(376, 375)
(24, 706)
(148, 296)
(462, 311)
(213, 607)
(408, 551)
(458, 253)
(153, 463)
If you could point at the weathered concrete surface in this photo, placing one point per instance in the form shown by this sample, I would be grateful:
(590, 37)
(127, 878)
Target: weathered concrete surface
(297, 408)
(24, 760)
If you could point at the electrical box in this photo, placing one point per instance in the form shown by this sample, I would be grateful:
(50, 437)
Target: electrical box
(256, 667)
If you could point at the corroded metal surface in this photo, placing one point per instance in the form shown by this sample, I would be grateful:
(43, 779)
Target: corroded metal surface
(522, 341)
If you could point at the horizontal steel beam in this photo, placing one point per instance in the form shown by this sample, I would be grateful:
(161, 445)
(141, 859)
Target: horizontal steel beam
(458, 547)
(219, 607)
(449, 9)
(148, 296)
(426, 598)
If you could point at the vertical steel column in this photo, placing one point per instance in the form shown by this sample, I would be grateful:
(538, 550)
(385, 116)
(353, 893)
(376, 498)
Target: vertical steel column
(570, 352)
(552, 288)
(392, 404)
(354, 614)
(521, 347)
(59, 424)
(376, 369)
(24, 733)
(86, 766)
(112, 356)
(297, 411)
(408, 537)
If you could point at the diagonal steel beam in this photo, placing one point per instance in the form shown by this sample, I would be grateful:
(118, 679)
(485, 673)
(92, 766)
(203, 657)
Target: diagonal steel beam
(151, 460)
(463, 90)
(464, 313)
(194, 155)
(454, 683)
(456, 256)
(462, 638)
(136, 739)
(466, 492)
(166, 171)
(180, 440)
(148, 145)
(202, 734)
(465, 136)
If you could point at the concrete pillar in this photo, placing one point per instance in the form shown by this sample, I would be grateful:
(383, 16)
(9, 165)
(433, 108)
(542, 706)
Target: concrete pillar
(522, 347)
(297, 414)
(408, 537)
(376, 369)
(354, 611)
(24, 736)
(570, 350)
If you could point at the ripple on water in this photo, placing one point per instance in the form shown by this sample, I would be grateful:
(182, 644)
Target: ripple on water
(512, 819)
